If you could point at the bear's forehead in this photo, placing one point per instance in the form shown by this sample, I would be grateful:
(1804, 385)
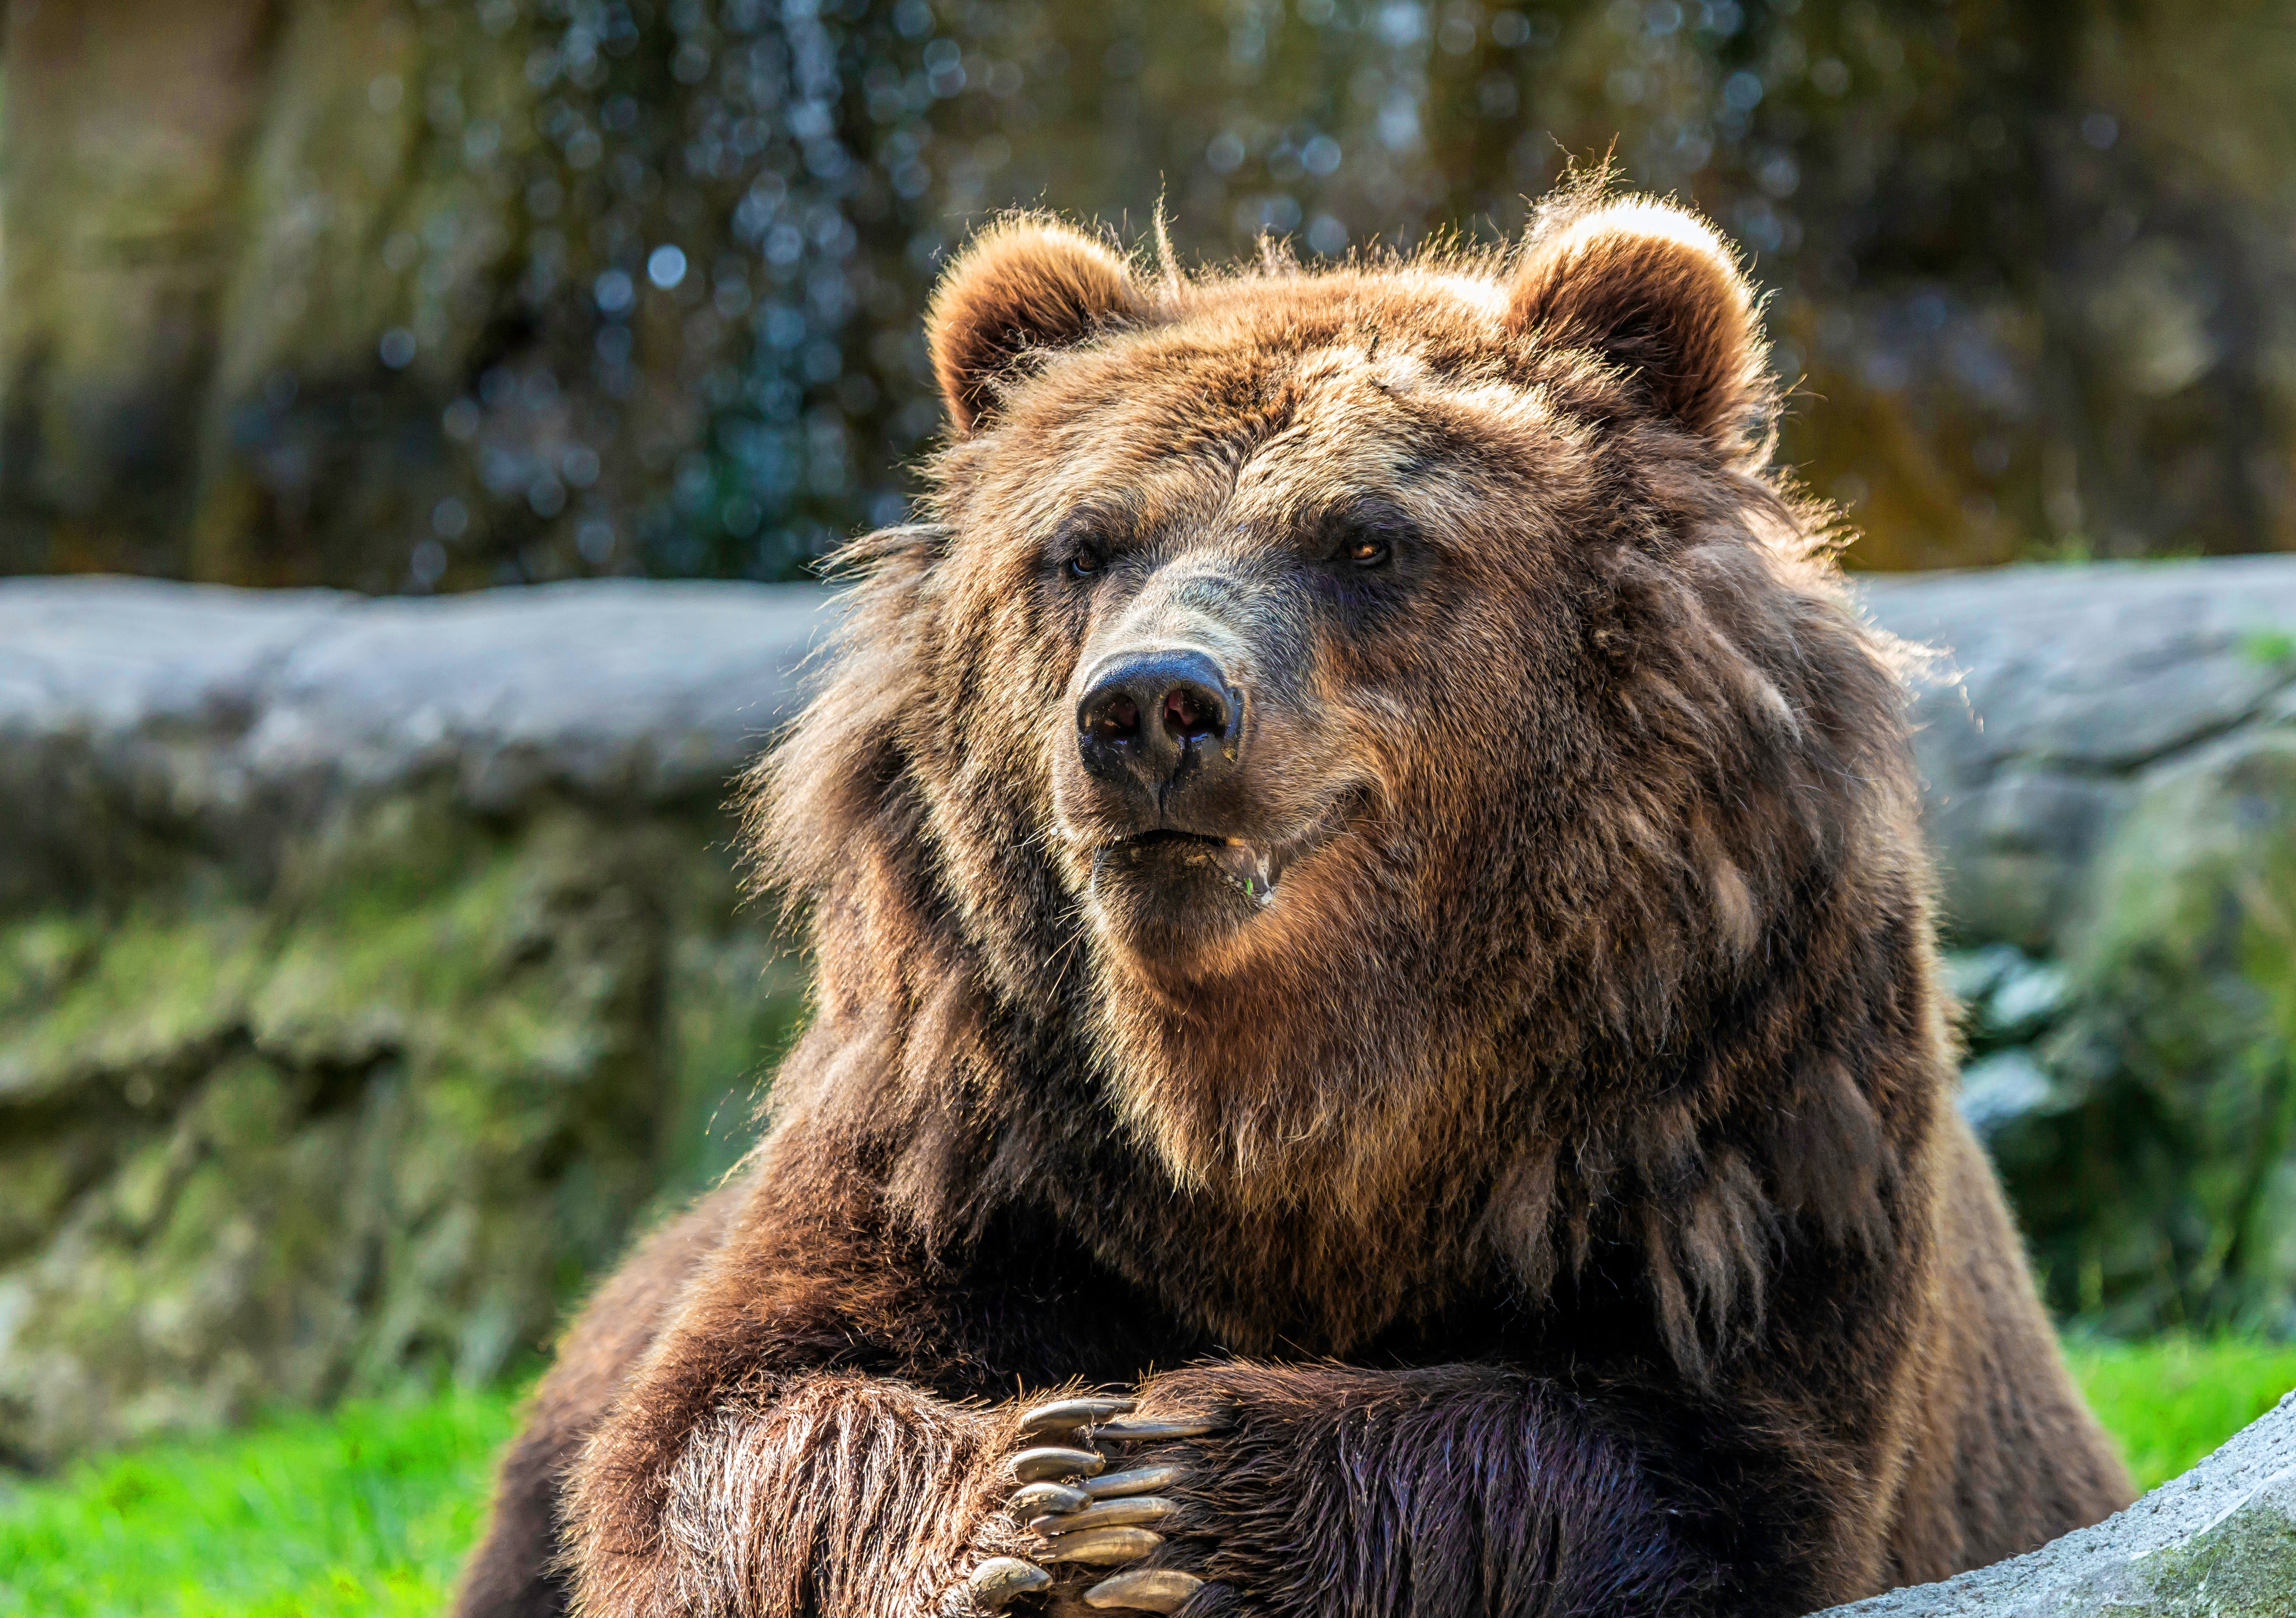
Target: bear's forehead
(1278, 394)
(1304, 336)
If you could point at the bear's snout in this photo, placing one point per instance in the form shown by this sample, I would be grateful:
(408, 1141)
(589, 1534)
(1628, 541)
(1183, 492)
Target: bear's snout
(1159, 721)
(1201, 767)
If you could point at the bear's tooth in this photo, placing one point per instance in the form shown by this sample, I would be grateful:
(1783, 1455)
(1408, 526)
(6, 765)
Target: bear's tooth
(1246, 866)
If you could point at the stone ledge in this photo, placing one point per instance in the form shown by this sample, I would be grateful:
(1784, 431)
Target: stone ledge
(2059, 687)
(612, 687)
(142, 722)
(367, 968)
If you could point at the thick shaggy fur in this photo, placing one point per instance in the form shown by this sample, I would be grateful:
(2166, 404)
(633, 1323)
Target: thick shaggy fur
(1555, 1183)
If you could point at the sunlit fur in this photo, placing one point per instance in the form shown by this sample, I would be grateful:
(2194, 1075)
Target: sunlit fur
(1566, 1148)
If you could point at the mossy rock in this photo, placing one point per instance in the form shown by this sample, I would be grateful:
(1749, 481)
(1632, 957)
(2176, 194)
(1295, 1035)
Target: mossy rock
(381, 1122)
(2158, 1183)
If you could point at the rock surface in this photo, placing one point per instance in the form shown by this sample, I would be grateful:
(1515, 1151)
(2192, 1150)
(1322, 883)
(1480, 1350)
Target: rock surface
(2110, 763)
(368, 967)
(2217, 1542)
(365, 968)
(216, 715)
(2061, 690)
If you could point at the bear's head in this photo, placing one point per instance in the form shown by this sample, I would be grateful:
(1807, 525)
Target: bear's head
(1334, 707)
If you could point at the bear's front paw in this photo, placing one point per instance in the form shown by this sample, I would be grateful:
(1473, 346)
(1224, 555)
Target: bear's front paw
(1091, 1510)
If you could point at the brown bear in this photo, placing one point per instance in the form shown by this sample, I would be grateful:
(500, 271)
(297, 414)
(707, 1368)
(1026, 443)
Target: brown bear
(1378, 1044)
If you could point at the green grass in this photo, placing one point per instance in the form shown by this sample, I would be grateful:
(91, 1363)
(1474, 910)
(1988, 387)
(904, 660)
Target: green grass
(2171, 1400)
(365, 1513)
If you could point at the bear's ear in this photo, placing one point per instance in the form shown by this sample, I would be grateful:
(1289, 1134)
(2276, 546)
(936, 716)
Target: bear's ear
(1022, 284)
(1656, 291)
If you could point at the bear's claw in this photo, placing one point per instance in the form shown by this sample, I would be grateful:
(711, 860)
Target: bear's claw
(1055, 1461)
(1137, 1480)
(1130, 1511)
(1104, 1547)
(1148, 1589)
(1039, 1499)
(1066, 1414)
(1092, 1517)
(1148, 1432)
(997, 1580)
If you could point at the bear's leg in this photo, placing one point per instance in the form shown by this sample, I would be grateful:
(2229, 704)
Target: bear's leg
(831, 1493)
(515, 1572)
(826, 1424)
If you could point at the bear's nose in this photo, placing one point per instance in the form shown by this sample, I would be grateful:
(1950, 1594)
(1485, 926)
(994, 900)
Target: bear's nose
(1148, 717)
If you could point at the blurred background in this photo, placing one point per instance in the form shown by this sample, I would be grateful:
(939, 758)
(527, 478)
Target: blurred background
(407, 296)
(372, 954)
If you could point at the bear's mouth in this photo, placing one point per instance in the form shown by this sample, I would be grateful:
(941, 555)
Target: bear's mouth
(1251, 868)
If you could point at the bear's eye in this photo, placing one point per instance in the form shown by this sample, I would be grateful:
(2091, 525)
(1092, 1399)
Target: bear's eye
(1082, 564)
(1368, 550)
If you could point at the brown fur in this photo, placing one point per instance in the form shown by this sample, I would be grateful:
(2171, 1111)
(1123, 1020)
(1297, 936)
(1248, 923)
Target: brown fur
(1557, 1179)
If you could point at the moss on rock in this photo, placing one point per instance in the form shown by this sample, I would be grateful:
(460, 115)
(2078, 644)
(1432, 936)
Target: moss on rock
(2157, 1179)
(378, 1120)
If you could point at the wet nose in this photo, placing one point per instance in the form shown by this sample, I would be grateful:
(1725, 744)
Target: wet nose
(1148, 717)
